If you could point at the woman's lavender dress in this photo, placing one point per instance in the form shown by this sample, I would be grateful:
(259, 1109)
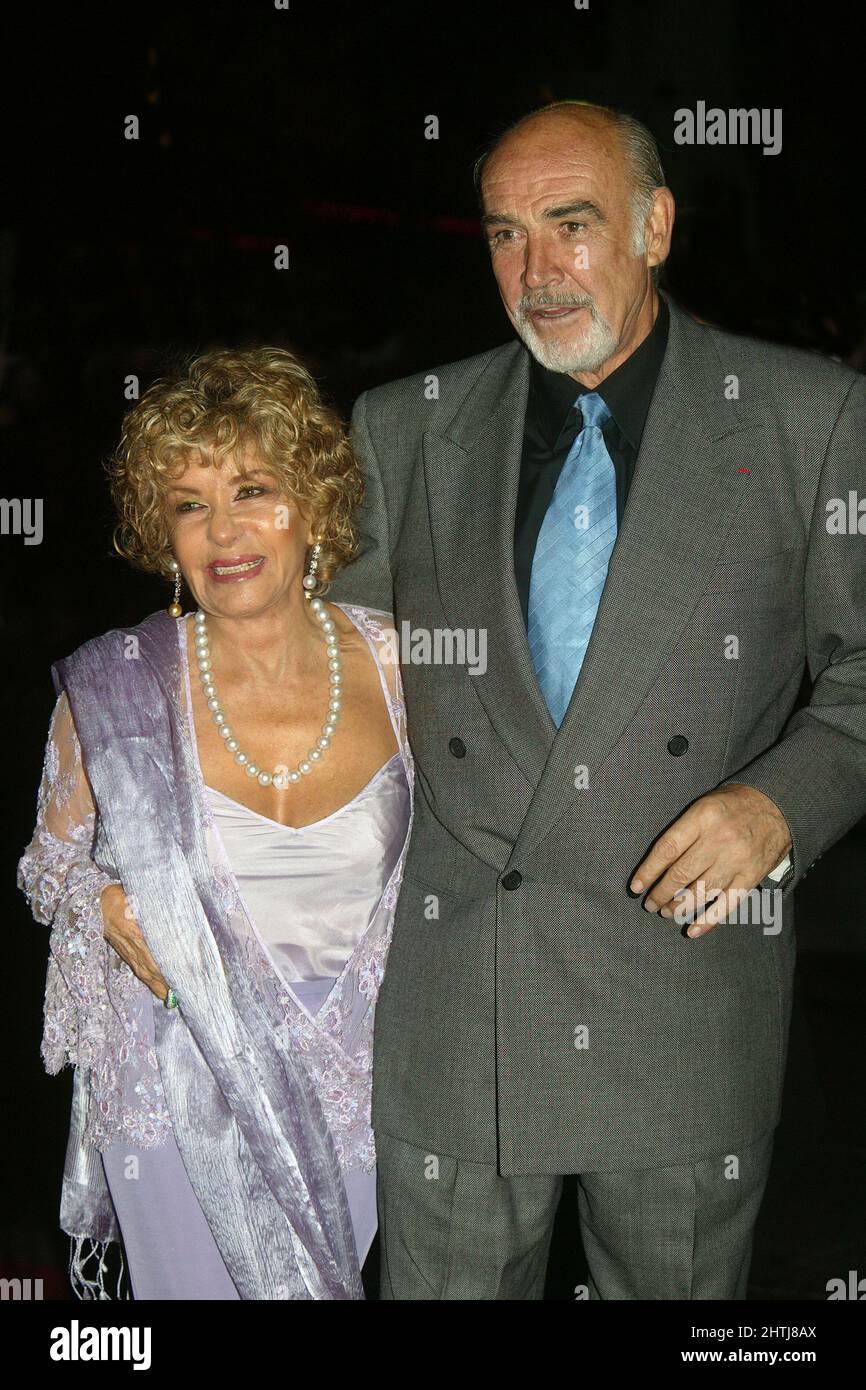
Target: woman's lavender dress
(311, 894)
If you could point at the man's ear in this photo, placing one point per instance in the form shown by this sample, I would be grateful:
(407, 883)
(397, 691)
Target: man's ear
(660, 227)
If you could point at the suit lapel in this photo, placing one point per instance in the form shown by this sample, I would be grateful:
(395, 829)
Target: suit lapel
(472, 473)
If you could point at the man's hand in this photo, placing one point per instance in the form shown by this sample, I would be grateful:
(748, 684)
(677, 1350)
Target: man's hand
(728, 841)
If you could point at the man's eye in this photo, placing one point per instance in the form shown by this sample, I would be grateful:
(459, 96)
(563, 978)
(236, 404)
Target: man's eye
(574, 226)
(502, 235)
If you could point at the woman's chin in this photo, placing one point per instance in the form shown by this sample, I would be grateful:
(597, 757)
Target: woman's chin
(240, 601)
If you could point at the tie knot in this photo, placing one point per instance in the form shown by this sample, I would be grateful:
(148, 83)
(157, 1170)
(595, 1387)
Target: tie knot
(593, 409)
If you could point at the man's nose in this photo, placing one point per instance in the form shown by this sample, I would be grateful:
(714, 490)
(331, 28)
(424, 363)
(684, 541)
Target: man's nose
(539, 266)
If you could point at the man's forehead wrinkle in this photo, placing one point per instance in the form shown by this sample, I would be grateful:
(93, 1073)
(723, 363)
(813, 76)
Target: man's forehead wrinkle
(545, 193)
(573, 149)
(554, 162)
(539, 185)
(529, 175)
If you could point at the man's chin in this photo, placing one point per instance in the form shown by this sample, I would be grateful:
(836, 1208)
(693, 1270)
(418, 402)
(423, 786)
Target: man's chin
(561, 352)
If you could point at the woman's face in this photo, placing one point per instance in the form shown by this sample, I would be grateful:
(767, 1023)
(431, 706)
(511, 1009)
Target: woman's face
(241, 544)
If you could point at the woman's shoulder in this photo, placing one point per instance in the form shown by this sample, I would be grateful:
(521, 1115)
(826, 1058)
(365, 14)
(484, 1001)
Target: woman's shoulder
(377, 626)
(376, 621)
(142, 640)
(361, 608)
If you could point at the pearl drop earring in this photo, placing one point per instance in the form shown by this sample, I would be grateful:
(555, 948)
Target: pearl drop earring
(309, 580)
(174, 608)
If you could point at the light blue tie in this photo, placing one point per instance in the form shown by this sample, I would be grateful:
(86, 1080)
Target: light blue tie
(569, 567)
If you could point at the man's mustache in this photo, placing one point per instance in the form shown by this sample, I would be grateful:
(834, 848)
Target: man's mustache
(547, 299)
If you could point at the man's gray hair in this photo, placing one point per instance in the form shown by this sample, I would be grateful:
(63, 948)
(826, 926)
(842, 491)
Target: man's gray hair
(639, 146)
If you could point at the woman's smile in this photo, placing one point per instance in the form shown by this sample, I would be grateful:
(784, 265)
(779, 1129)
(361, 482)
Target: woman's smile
(236, 567)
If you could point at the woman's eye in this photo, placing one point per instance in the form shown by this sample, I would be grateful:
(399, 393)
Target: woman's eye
(248, 490)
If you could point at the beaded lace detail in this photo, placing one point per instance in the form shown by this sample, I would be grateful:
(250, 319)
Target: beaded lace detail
(92, 1009)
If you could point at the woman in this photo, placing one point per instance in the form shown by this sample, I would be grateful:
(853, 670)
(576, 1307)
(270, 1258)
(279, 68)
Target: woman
(221, 828)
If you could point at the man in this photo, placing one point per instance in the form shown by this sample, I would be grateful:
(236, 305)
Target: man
(633, 508)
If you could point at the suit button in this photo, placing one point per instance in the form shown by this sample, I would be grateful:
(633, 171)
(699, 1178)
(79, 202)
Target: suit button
(678, 744)
(457, 747)
(512, 880)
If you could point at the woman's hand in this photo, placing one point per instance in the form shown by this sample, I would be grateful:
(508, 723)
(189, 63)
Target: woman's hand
(125, 936)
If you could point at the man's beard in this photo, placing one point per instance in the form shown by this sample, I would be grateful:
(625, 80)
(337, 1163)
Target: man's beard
(598, 343)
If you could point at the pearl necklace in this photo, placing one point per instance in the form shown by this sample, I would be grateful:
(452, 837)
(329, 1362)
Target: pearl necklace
(205, 670)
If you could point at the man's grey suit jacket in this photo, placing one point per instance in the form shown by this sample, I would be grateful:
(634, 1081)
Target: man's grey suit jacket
(556, 1026)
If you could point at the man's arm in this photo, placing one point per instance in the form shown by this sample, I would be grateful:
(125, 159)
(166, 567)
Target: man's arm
(816, 772)
(367, 580)
(801, 795)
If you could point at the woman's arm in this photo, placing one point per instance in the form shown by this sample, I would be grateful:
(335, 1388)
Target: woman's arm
(64, 888)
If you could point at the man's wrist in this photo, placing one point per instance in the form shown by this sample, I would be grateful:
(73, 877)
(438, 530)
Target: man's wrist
(785, 864)
(782, 868)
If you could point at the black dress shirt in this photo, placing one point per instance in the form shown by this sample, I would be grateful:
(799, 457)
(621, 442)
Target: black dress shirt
(551, 425)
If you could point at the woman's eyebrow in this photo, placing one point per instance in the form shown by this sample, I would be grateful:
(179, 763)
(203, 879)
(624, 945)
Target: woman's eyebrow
(236, 478)
(250, 473)
(182, 487)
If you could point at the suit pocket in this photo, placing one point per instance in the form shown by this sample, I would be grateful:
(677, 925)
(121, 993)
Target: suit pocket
(416, 1197)
(782, 568)
(422, 902)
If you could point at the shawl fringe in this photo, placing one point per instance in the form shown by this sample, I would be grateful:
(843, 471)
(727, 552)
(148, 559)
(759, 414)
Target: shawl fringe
(93, 1286)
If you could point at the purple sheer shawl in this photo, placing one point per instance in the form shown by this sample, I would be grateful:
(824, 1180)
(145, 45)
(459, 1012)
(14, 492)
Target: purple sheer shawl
(247, 1115)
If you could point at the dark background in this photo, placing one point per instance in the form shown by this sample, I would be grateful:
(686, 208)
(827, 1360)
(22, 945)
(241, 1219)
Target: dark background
(306, 128)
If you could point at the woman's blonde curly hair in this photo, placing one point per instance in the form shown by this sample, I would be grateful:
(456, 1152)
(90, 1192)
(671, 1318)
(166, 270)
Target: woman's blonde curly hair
(217, 403)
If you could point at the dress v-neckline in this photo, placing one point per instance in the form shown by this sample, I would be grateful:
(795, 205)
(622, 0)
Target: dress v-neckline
(313, 824)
